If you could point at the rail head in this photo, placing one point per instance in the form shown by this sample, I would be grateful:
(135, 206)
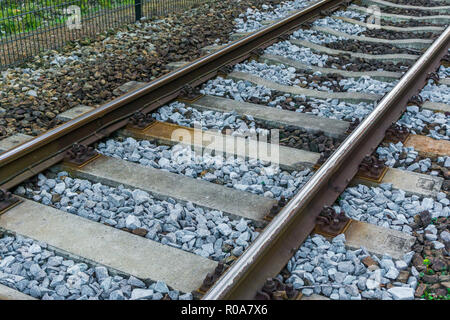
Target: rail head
(273, 248)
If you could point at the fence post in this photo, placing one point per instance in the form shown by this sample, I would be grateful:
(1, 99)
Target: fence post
(138, 9)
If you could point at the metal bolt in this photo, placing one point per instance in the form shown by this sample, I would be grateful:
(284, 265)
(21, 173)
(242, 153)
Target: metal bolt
(274, 210)
(219, 269)
(5, 195)
(269, 286)
(290, 291)
(207, 282)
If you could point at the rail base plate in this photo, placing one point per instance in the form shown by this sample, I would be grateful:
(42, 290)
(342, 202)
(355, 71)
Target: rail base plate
(5, 205)
(331, 234)
(377, 179)
(133, 128)
(360, 175)
(190, 100)
(403, 140)
(79, 165)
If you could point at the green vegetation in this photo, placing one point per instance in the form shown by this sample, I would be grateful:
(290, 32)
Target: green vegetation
(22, 16)
(432, 296)
(427, 263)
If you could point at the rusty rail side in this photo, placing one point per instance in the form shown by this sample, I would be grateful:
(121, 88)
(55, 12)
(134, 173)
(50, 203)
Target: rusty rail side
(34, 156)
(270, 252)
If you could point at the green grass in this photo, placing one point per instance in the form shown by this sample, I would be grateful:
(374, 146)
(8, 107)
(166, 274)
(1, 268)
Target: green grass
(24, 16)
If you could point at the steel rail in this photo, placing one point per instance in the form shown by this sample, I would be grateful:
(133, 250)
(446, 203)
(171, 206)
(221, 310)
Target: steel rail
(36, 155)
(273, 248)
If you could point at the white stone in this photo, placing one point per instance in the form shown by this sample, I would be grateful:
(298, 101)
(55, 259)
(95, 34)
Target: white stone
(445, 236)
(60, 187)
(401, 265)
(392, 274)
(132, 222)
(402, 293)
(438, 245)
(372, 284)
(138, 294)
(224, 229)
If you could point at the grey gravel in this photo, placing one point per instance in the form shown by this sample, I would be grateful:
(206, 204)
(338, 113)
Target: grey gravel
(402, 293)
(329, 268)
(48, 276)
(356, 15)
(391, 155)
(287, 76)
(294, 52)
(184, 115)
(415, 119)
(240, 91)
(183, 226)
(251, 20)
(251, 175)
(444, 72)
(316, 36)
(339, 25)
(436, 93)
(388, 207)
(244, 91)
(277, 73)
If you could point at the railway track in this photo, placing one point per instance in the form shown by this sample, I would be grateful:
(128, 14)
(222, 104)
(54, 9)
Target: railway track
(164, 193)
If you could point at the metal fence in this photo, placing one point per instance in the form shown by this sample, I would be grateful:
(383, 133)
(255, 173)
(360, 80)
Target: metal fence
(28, 27)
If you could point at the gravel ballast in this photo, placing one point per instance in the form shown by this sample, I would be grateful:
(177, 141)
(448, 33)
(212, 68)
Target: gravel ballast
(411, 12)
(369, 48)
(34, 269)
(392, 35)
(357, 30)
(306, 55)
(339, 25)
(251, 20)
(316, 36)
(436, 93)
(357, 15)
(431, 258)
(340, 61)
(444, 72)
(243, 126)
(254, 176)
(247, 92)
(343, 43)
(407, 158)
(208, 233)
(183, 115)
(421, 3)
(330, 269)
(408, 23)
(388, 207)
(422, 121)
(288, 76)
